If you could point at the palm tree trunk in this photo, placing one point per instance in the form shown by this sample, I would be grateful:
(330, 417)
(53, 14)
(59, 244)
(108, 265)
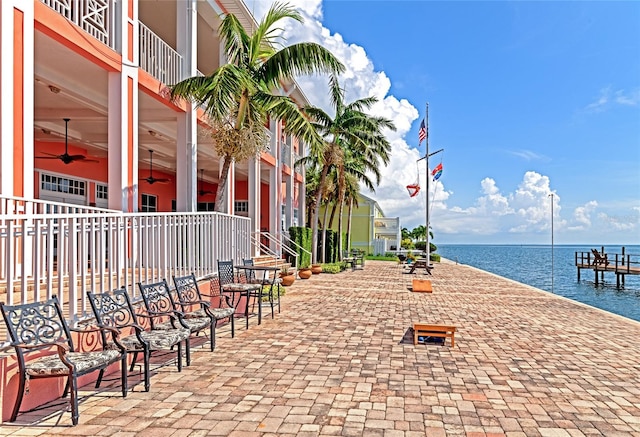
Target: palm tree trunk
(349, 224)
(224, 177)
(316, 214)
(324, 234)
(333, 214)
(341, 193)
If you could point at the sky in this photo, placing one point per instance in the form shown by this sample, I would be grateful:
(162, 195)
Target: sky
(532, 102)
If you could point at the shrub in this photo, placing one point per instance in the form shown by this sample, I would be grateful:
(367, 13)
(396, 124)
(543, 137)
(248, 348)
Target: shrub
(332, 268)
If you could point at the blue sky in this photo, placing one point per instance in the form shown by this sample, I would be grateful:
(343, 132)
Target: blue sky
(526, 98)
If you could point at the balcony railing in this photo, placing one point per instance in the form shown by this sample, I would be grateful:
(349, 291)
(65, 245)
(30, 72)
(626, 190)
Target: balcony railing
(70, 253)
(158, 58)
(96, 17)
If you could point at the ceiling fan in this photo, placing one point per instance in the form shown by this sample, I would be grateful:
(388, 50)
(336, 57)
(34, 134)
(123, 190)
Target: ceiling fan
(150, 179)
(65, 157)
(202, 192)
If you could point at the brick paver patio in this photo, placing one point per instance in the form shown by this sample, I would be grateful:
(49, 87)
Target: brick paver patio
(339, 360)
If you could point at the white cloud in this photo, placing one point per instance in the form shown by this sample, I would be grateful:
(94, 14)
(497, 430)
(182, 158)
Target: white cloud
(509, 215)
(582, 216)
(608, 98)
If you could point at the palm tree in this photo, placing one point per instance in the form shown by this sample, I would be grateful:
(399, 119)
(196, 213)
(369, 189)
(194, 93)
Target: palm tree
(350, 129)
(238, 97)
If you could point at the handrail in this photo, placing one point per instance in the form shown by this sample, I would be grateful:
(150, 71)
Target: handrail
(294, 253)
(277, 240)
(617, 262)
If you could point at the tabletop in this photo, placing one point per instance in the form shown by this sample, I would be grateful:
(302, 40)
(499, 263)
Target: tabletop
(259, 268)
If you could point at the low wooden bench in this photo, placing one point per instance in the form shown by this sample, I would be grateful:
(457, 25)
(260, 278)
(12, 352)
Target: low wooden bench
(441, 331)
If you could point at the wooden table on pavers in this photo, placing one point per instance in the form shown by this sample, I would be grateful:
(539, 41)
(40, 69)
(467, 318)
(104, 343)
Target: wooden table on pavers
(441, 331)
(422, 264)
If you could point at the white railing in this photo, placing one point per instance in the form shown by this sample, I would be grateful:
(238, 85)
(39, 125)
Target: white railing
(68, 254)
(96, 17)
(158, 58)
(20, 205)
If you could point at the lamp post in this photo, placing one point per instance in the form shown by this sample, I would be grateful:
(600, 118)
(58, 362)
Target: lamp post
(551, 195)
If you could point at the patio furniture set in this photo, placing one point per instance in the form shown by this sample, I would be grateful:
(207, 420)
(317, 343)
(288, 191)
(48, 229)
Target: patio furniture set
(163, 320)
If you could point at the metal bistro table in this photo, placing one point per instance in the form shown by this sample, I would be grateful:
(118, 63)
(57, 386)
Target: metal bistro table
(259, 281)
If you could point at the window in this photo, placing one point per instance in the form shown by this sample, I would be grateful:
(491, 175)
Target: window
(295, 217)
(241, 206)
(206, 206)
(149, 203)
(101, 192)
(62, 185)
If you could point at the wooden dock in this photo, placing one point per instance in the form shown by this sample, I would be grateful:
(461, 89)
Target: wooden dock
(621, 264)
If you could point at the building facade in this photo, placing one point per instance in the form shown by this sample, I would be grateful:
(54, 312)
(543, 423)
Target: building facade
(85, 116)
(371, 231)
(103, 179)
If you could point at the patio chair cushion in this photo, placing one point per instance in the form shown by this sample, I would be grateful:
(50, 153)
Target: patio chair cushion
(53, 365)
(158, 339)
(194, 323)
(221, 313)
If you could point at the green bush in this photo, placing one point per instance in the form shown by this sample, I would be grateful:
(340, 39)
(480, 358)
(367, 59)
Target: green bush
(265, 291)
(302, 236)
(332, 267)
(435, 257)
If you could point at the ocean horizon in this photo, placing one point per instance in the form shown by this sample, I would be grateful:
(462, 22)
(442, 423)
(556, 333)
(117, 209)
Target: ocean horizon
(531, 264)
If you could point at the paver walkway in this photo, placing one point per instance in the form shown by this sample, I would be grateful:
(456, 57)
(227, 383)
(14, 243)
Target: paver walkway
(339, 360)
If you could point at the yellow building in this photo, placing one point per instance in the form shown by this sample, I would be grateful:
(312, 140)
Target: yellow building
(371, 231)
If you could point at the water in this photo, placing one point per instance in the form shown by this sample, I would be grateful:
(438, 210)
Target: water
(531, 265)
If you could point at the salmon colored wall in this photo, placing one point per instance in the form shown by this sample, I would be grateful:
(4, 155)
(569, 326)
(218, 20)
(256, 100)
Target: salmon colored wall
(242, 190)
(264, 206)
(96, 171)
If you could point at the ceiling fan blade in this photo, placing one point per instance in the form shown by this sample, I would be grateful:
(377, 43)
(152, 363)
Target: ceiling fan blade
(48, 157)
(83, 158)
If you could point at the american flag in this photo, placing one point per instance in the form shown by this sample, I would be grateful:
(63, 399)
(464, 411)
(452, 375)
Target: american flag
(422, 133)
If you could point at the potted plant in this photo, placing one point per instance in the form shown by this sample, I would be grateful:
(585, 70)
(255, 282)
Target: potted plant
(287, 276)
(304, 272)
(316, 269)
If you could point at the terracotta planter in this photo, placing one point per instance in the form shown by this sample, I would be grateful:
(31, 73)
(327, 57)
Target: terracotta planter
(316, 269)
(287, 279)
(304, 273)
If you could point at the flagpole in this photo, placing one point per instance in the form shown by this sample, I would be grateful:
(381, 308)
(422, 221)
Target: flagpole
(426, 155)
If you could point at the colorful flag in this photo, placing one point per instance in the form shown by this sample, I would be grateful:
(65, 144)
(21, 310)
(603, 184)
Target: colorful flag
(422, 132)
(437, 172)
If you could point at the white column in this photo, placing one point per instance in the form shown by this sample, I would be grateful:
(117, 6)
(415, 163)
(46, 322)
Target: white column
(16, 98)
(254, 198)
(187, 134)
(123, 117)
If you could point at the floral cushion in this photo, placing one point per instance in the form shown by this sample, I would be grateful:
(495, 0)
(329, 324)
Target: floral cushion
(222, 313)
(198, 314)
(194, 324)
(83, 361)
(239, 287)
(157, 339)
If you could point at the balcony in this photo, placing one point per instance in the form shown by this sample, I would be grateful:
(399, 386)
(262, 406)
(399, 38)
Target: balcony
(386, 227)
(96, 17)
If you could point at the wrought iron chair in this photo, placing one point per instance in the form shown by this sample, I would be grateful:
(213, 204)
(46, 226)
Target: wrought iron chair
(191, 303)
(40, 326)
(271, 282)
(229, 286)
(160, 301)
(114, 309)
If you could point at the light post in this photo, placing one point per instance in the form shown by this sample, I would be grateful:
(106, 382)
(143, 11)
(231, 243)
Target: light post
(551, 195)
